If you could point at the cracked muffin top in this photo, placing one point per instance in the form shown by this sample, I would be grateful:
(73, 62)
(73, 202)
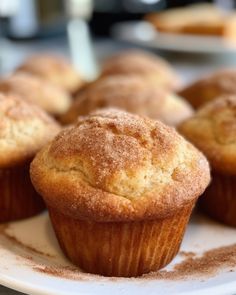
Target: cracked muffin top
(150, 67)
(213, 130)
(132, 94)
(24, 130)
(54, 69)
(222, 82)
(36, 90)
(115, 166)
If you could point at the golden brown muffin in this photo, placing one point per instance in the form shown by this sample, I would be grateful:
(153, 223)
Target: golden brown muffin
(36, 90)
(54, 69)
(209, 88)
(202, 19)
(213, 130)
(131, 94)
(24, 130)
(198, 19)
(120, 189)
(150, 67)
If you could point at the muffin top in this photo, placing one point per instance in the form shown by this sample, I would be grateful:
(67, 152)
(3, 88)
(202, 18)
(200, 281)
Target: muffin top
(36, 90)
(115, 166)
(209, 88)
(132, 94)
(213, 130)
(54, 69)
(150, 67)
(24, 129)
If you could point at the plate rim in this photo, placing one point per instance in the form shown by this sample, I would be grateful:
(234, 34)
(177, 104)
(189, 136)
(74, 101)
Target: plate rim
(116, 32)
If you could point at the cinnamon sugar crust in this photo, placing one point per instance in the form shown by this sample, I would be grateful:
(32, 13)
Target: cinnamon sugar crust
(54, 69)
(24, 129)
(150, 67)
(36, 90)
(132, 94)
(115, 166)
(222, 82)
(213, 130)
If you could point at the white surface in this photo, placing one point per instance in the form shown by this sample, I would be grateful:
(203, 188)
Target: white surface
(142, 33)
(18, 272)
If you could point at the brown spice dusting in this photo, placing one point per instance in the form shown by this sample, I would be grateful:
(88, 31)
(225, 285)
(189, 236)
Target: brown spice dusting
(66, 272)
(15, 241)
(192, 267)
(187, 254)
(207, 265)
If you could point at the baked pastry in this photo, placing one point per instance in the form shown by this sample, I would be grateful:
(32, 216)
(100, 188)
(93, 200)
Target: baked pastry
(132, 94)
(213, 130)
(54, 69)
(36, 90)
(150, 67)
(209, 88)
(120, 189)
(24, 129)
(198, 19)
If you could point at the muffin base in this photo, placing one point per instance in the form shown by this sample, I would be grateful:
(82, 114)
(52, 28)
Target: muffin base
(18, 197)
(126, 249)
(219, 199)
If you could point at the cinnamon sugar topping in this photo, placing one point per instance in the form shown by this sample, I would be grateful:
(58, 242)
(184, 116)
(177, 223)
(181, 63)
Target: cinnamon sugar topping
(112, 165)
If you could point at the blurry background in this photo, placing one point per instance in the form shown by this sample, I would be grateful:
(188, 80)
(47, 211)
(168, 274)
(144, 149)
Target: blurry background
(28, 26)
(40, 19)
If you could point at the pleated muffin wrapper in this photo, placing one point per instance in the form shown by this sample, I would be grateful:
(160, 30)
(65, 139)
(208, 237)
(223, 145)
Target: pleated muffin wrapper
(121, 249)
(219, 199)
(18, 197)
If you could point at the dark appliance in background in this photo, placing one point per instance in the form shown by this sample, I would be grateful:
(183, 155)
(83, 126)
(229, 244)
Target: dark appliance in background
(108, 12)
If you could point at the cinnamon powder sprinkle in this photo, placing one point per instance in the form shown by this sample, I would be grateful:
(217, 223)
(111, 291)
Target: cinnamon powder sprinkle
(187, 254)
(67, 272)
(207, 265)
(192, 267)
(14, 240)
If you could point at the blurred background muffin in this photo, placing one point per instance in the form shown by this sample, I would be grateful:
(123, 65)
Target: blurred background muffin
(37, 90)
(55, 69)
(131, 93)
(203, 19)
(213, 130)
(210, 87)
(24, 130)
(149, 67)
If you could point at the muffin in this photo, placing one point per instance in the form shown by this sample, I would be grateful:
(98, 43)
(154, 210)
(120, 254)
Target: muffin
(199, 19)
(36, 90)
(150, 67)
(55, 69)
(120, 189)
(213, 130)
(131, 94)
(24, 129)
(209, 88)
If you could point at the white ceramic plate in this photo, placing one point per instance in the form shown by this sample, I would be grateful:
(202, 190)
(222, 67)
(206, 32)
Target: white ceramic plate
(31, 262)
(143, 33)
